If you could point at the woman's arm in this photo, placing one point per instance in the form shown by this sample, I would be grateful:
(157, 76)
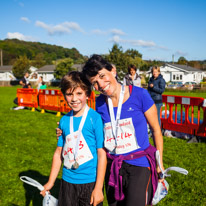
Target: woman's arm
(56, 165)
(97, 194)
(151, 116)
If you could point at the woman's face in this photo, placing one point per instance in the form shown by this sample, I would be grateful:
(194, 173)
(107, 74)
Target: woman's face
(105, 81)
(132, 71)
(155, 73)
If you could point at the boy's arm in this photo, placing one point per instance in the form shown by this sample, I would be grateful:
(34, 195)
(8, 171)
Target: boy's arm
(56, 165)
(97, 194)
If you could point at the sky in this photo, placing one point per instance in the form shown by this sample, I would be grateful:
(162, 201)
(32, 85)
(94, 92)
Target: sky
(158, 29)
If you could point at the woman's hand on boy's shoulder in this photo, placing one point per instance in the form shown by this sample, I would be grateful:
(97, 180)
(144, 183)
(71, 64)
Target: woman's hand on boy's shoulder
(58, 131)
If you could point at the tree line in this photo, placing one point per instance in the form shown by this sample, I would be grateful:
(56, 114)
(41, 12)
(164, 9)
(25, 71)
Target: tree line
(22, 55)
(39, 53)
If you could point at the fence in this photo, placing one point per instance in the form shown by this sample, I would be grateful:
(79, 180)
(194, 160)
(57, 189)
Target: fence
(47, 99)
(184, 114)
(27, 98)
(181, 114)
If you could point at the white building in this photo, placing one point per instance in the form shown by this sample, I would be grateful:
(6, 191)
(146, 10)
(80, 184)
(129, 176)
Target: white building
(6, 73)
(181, 73)
(47, 72)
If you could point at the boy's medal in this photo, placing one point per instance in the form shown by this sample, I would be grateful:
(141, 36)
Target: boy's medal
(76, 164)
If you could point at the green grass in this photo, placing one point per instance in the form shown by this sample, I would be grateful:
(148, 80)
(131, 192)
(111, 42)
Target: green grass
(28, 140)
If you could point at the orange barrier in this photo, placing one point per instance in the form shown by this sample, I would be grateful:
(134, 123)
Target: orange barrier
(51, 99)
(27, 98)
(91, 101)
(188, 106)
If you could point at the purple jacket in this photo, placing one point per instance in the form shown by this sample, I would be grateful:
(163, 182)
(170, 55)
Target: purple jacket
(115, 180)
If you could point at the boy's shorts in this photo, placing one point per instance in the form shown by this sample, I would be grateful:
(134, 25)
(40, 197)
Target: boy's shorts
(75, 194)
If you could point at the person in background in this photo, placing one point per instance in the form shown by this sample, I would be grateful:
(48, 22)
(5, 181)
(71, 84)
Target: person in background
(24, 81)
(43, 86)
(79, 148)
(39, 82)
(132, 78)
(156, 86)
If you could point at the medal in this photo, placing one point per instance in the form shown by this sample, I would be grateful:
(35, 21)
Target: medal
(75, 165)
(114, 122)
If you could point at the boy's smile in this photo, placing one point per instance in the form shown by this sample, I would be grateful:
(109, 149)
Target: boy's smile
(77, 100)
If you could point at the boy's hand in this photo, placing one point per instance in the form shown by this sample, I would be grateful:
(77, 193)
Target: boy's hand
(58, 131)
(96, 197)
(47, 187)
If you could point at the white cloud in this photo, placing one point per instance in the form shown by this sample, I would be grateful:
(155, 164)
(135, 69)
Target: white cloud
(117, 39)
(65, 27)
(113, 32)
(140, 43)
(17, 35)
(25, 19)
(117, 32)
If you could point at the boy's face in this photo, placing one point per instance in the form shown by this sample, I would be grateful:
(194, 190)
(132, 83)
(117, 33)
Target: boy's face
(77, 100)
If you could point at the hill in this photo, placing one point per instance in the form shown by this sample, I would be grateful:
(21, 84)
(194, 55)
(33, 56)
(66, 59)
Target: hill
(13, 48)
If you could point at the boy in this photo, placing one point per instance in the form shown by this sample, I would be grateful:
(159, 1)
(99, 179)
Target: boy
(80, 148)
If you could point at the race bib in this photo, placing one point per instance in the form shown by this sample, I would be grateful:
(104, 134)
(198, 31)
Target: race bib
(126, 139)
(84, 153)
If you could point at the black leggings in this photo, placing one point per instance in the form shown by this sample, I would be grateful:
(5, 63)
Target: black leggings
(137, 185)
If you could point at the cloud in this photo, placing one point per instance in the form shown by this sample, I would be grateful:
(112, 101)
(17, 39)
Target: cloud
(63, 28)
(138, 43)
(117, 32)
(17, 35)
(25, 19)
(111, 31)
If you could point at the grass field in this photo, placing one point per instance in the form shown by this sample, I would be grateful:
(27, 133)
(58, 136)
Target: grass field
(27, 143)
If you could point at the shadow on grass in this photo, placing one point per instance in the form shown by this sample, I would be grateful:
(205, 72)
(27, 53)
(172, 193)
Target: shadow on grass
(32, 194)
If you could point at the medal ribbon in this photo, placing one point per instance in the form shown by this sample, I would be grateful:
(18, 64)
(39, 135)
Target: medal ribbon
(79, 129)
(114, 122)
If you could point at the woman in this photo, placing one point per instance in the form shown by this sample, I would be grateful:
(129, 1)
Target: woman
(125, 112)
(156, 87)
(132, 78)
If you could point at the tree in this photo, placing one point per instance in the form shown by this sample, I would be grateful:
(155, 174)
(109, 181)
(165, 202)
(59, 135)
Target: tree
(21, 66)
(63, 67)
(182, 60)
(119, 59)
(133, 53)
(123, 59)
(38, 60)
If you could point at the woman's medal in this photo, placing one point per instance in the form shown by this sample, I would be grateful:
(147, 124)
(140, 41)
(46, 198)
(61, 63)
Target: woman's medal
(114, 122)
